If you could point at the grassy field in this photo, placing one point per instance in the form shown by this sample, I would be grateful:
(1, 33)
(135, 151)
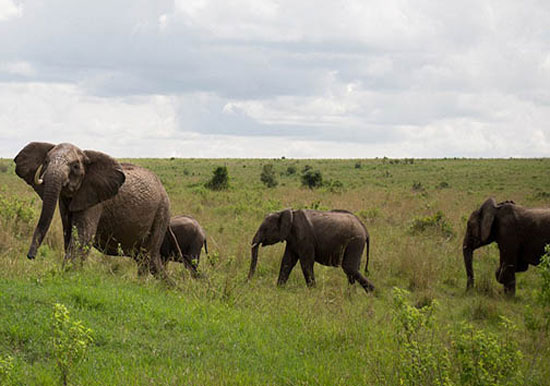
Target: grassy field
(225, 330)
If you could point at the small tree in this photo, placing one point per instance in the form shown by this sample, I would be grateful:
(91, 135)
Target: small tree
(70, 340)
(268, 176)
(312, 178)
(290, 170)
(220, 179)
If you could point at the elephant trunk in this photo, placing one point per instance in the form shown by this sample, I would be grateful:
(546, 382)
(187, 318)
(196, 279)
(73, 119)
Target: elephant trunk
(254, 255)
(468, 257)
(53, 181)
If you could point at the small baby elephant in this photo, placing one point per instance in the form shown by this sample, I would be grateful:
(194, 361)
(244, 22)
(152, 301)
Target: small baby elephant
(190, 238)
(334, 238)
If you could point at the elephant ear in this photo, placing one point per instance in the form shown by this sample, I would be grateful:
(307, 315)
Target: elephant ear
(29, 159)
(487, 214)
(103, 178)
(286, 220)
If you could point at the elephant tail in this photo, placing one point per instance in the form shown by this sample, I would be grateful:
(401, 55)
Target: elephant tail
(367, 242)
(205, 246)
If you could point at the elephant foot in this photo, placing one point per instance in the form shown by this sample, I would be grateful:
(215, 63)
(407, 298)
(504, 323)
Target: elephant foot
(510, 290)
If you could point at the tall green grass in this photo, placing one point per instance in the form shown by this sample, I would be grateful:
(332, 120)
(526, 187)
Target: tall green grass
(225, 330)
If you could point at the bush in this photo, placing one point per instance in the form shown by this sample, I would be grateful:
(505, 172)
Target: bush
(220, 179)
(70, 340)
(436, 222)
(485, 358)
(312, 178)
(291, 170)
(358, 165)
(268, 176)
(421, 358)
(418, 187)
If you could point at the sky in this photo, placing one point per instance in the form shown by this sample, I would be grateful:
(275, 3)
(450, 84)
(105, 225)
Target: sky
(273, 78)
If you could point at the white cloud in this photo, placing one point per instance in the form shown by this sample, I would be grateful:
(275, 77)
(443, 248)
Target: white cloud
(9, 9)
(18, 68)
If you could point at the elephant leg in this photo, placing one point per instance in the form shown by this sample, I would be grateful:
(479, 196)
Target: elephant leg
(153, 259)
(66, 221)
(81, 233)
(351, 265)
(287, 264)
(307, 260)
(307, 270)
(506, 273)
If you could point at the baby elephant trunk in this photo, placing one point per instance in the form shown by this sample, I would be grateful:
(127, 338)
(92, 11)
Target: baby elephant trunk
(253, 261)
(254, 255)
(468, 257)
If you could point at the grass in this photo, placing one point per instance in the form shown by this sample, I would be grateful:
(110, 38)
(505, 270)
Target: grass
(225, 330)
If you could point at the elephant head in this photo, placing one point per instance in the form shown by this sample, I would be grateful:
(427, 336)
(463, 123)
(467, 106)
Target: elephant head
(80, 178)
(478, 234)
(274, 229)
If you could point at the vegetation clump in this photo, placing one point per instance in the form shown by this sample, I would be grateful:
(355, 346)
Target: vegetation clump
(268, 176)
(436, 222)
(70, 340)
(421, 360)
(312, 178)
(291, 170)
(220, 179)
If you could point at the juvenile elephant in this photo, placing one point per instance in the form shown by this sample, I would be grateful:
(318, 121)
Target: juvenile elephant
(333, 238)
(183, 242)
(117, 207)
(520, 233)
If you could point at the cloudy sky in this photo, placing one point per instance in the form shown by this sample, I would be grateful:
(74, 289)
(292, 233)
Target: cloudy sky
(272, 78)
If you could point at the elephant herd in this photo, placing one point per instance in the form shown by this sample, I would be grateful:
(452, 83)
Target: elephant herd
(123, 209)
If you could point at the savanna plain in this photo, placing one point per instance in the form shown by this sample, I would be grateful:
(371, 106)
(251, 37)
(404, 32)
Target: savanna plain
(420, 326)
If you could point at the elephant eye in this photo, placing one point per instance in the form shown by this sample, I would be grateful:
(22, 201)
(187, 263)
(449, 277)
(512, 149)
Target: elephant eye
(75, 166)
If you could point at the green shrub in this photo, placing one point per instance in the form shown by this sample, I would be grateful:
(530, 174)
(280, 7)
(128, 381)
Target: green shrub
(291, 170)
(485, 358)
(6, 370)
(268, 176)
(418, 187)
(70, 340)
(312, 178)
(357, 165)
(436, 222)
(421, 359)
(220, 179)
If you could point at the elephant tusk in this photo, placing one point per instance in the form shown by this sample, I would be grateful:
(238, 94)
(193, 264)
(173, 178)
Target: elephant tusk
(254, 245)
(37, 179)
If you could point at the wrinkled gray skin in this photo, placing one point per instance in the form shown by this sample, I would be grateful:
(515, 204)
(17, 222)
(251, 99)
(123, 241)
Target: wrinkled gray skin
(116, 207)
(520, 233)
(190, 238)
(333, 238)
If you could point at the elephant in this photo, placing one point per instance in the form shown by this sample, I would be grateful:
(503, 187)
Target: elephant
(520, 233)
(189, 239)
(119, 208)
(332, 238)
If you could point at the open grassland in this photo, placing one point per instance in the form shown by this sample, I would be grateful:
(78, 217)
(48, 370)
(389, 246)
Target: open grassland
(225, 330)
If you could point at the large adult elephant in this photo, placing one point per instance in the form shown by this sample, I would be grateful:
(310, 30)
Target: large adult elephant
(333, 238)
(183, 242)
(520, 233)
(119, 208)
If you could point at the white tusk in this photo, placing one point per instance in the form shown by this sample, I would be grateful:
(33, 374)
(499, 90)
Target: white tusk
(254, 245)
(37, 179)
